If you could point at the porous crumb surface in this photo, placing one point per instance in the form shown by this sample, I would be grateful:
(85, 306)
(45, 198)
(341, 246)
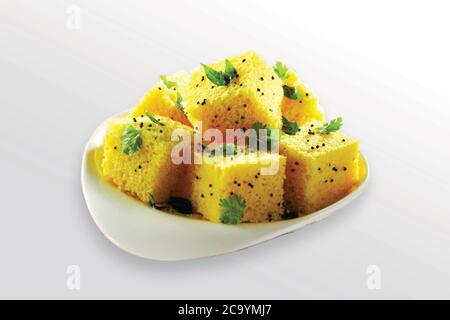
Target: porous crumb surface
(304, 109)
(320, 169)
(151, 169)
(241, 175)
(162, 101)
(254, 95)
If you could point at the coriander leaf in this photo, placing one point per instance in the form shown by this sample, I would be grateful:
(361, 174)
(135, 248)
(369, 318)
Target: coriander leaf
(224, 149)
(169, 84)
(258, 125)
(216, 77)
(151, 200)
(230, 71)
(131, 140)
(281, 70)
(289, 128)
(232, 210)
(153, 119)
(332, 126)
(291, 92)
(220, 78)
(264, 136)
(228, 149)
(180, 102)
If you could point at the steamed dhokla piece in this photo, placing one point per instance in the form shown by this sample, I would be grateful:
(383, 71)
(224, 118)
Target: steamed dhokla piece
(166, 99)
(235, 98)
(299, 103)
(321, 168)
(137, 156)
(235, 189)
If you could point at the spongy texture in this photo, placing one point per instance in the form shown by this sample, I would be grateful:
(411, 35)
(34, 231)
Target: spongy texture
(161, 100)
(304, 109)
(253, 96)
(321, 168)
(241, 175)
(151, 169)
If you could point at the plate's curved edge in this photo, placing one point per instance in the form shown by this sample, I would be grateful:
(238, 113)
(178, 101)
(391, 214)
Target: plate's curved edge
(292, 227)
(321, 214)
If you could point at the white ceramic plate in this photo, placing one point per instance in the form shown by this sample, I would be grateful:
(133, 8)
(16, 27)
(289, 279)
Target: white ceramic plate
(153, 234)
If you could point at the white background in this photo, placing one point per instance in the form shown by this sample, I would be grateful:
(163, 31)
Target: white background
(383, 65)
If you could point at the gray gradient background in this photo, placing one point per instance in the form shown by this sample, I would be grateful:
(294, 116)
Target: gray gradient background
(375, 65)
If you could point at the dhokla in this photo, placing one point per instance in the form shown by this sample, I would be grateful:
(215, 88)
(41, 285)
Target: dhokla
(234, 189)
(321, 168)
(299, 103)
(166, 99)
(253, 94)
(137, 156)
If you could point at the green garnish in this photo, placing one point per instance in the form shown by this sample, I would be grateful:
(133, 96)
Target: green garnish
(131, 137)
(291, 92)
(131, 140)
(289, 127)
(153, 119)
(220, 78)
(228, 149)
(225, 149)
(332, 126)
(271, 135)
(151, 200)
(169, 84)
(281, 70)
(180, 102)
(233, 209)
(230, 71)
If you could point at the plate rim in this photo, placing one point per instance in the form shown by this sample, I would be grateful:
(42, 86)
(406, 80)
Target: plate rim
(291, 226)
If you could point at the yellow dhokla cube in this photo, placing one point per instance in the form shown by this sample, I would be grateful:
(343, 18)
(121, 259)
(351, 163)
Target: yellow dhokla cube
(163, 100)
(254, 95)
(306, 107)
(222, 183)
(320, 169)
(149, 169)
